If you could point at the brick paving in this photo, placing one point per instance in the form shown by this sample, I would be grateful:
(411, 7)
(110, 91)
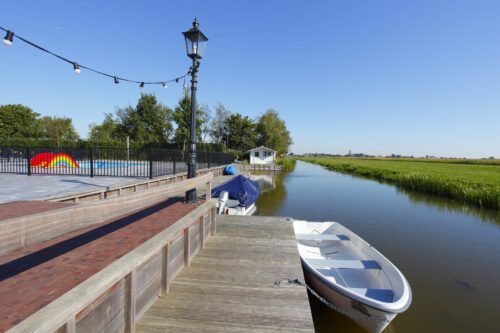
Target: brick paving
(34, 277)
(22, 208)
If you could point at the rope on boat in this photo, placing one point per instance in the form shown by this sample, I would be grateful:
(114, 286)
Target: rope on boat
(296, 281)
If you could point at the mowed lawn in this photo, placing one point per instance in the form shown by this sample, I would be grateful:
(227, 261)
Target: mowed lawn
(475, 183)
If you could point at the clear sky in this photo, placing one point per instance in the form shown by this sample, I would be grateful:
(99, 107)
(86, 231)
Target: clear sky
(379, 77)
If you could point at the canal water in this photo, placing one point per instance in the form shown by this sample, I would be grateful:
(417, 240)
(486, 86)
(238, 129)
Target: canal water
(449, 253)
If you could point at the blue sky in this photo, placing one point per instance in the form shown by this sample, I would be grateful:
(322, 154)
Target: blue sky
(379, 77)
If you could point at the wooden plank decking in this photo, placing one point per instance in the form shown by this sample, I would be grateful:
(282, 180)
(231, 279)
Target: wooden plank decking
(229, 286)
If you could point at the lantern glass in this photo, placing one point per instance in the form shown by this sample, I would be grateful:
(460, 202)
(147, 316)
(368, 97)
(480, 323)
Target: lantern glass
(196, 42)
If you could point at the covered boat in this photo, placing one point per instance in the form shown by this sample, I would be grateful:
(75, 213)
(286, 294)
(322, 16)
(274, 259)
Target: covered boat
(352, 275)
(237, 196)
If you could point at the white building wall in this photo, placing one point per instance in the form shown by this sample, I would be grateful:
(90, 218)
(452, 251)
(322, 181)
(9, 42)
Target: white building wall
(262, 158)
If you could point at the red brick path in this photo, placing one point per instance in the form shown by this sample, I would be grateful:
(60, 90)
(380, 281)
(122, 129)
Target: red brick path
(32, 278)
(21, 208)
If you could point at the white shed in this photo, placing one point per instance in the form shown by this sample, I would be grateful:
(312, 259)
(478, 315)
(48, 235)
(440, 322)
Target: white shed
(262, 155)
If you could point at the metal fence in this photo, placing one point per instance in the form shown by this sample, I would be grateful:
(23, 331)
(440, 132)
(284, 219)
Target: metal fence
(115, 162)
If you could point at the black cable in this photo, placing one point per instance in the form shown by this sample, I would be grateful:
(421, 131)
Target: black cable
(95, 70)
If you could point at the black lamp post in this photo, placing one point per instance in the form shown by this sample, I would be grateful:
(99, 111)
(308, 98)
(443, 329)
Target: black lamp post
(195, 45)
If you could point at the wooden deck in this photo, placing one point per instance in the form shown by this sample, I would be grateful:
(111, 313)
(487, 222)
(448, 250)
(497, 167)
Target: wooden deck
(229, 286)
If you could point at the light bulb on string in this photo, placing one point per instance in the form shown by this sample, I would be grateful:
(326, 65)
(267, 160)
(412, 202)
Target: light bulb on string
(76, 68)
(9, 38)
(141, 85)
(164, 84)
(116, 80)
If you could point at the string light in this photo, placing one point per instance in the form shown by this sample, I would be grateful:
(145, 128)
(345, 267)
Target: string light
(76, 68)
(9, 39)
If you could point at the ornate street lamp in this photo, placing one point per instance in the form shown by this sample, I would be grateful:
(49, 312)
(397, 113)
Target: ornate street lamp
(195, 45)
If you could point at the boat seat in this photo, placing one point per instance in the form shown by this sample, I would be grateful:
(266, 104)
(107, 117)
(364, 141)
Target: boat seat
(321, 237)
(383, 295)
(343, 264)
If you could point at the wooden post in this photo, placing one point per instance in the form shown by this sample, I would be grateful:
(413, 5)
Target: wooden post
(213, 222)
(130, 301)
(164, 270)
(209, 190)
(70, 326)
(187, 259)
(202, 231)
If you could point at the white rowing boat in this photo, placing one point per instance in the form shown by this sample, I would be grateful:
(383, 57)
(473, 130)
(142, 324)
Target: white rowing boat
(351, 274)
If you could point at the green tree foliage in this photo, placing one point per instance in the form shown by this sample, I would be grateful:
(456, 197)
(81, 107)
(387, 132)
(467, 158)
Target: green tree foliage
(18, 121)
(106, 131)
(182, 118)
(206, 119)
(240, 132)
(149, 121)
(59, 129)
(218, 128)
(273, 132)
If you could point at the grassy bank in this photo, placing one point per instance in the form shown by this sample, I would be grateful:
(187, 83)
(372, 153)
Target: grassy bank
(475, 184)
(287, 164)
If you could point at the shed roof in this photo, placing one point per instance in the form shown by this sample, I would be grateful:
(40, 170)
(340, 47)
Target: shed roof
(262, 147)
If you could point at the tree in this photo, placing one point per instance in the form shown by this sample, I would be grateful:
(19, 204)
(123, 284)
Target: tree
(106, 131)
(18, 121)
(149, 121)
(182, 118)
(218, 130)
(273, 132)
(57, 128)
(206, 121)
(240, 131)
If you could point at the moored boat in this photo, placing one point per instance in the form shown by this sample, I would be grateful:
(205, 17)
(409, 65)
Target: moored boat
(352, 275)
(237, 196)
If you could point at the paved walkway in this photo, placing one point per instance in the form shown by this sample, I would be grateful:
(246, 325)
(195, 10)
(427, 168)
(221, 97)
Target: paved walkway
(35, 276)
(36, 187)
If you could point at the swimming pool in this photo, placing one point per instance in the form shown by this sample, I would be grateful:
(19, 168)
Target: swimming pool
(107, 164)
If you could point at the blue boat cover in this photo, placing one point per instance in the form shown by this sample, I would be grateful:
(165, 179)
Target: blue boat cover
(230, 170)
(239, 188)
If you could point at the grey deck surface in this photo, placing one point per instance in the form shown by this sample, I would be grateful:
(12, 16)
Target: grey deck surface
(229, 286)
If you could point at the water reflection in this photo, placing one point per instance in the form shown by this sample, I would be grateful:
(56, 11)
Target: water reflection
(450, 256)
(273, 192)
(452, 206)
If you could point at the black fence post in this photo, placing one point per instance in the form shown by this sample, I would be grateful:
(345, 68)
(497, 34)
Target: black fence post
(150, 163)
(173, 159)
(28, 154)
(91, 156)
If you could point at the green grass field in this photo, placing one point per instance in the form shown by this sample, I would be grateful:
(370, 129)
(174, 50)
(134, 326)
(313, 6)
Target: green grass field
(476, 183)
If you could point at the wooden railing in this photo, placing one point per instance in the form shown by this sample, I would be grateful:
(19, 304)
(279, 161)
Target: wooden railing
(259, 167)
(116, 297)
(140, 185)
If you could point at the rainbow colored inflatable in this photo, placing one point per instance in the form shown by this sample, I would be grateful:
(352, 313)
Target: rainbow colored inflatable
(50, 160)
